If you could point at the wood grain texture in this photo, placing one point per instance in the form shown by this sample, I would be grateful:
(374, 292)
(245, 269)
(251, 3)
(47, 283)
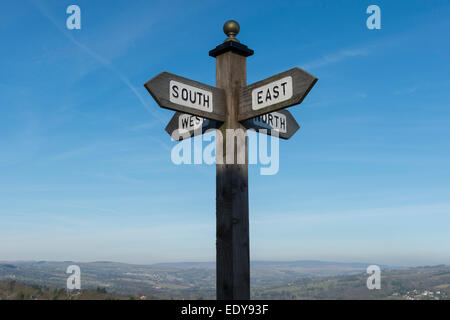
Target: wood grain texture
(291, 125)
(232, 229)
(302, 84)
(159, 89)
(173, 125)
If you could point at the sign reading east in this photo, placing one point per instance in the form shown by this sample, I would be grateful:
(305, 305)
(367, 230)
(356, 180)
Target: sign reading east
(275, 93)
(183, 126)
(187, 96)
(282, 122)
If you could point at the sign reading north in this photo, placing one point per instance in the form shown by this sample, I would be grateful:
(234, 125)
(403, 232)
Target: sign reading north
(273, 121)
(190, 96)
(274, 92)
(280, 123)
(187, 96)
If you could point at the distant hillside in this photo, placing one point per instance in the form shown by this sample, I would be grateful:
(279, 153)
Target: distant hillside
(13, 290)
(422, 283)
(262, 264)
(269, 279)
(187, 277)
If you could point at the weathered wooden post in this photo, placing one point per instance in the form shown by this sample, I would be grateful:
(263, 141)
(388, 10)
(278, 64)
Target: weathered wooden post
(232, 226)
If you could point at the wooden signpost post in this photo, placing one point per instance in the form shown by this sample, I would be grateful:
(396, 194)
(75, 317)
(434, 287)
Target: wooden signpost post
(232, 105)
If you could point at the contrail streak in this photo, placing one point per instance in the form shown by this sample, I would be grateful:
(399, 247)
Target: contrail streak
(98, 58)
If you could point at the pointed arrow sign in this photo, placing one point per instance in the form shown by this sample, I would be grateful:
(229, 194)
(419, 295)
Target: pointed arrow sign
(184, 126)
(187, 96)
(280, 121)
(277, 92)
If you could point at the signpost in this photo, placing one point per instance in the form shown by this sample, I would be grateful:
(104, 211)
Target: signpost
(232, 105)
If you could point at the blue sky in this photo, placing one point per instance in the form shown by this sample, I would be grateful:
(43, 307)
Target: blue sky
(85, 168)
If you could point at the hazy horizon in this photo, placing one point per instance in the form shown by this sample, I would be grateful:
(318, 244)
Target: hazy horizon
(213, 262)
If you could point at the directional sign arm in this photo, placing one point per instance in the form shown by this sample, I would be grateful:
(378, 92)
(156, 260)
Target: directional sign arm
(187, 96)
(186, 126)
(277, 92)
(280, 122)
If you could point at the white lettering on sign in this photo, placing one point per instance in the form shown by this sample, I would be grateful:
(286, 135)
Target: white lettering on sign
(187, 122)
(274, 121)
(190, 96)
(274, 92)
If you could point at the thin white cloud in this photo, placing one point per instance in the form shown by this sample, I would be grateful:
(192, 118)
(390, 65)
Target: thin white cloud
(361, 50)
(402, 211)
(142, 126)
(406, 91)
(336, 57)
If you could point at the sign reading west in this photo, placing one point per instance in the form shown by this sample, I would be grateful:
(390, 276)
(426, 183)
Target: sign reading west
(277, 92)
(187, 96)
(183, 126)
(280, 121)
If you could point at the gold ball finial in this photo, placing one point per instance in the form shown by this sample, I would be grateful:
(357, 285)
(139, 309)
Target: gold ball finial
(231, 29)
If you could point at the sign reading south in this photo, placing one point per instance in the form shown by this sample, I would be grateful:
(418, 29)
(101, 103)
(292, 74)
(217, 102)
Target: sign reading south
(190, 96)
(187, 96)
(274, 92)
